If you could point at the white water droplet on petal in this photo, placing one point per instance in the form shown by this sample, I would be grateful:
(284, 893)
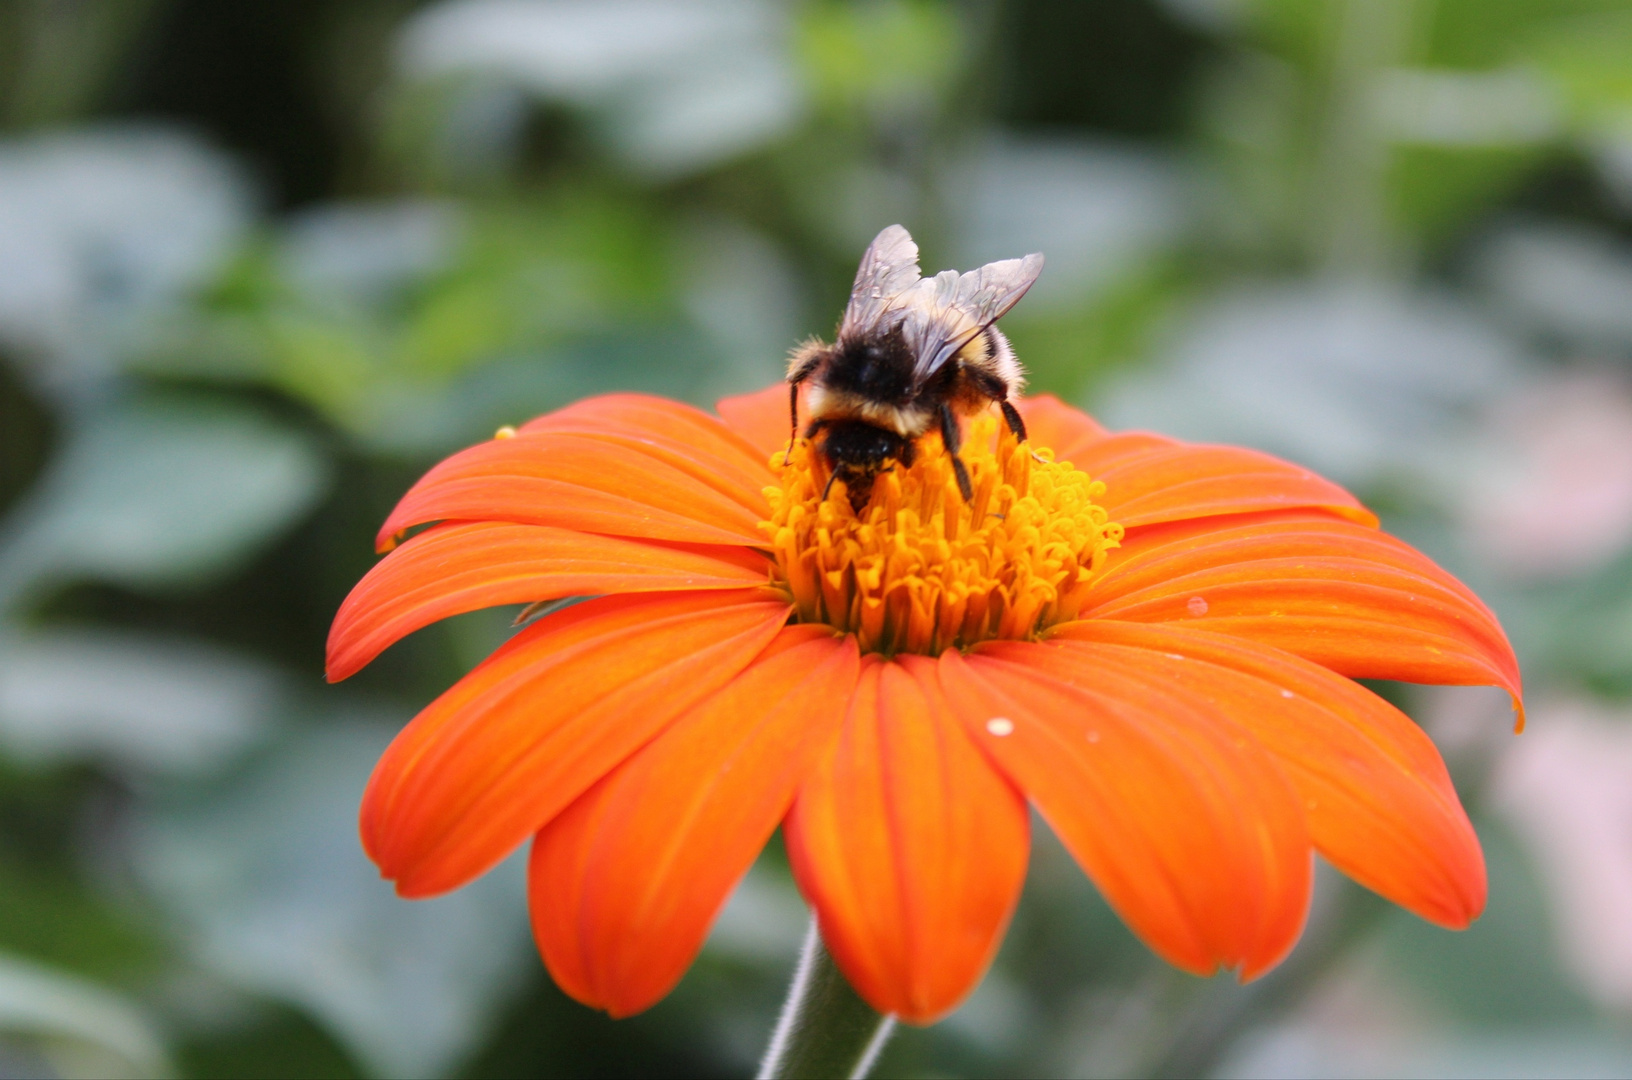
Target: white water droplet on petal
(1175, 656)
(1197, 606)
(1000, 726)
(1288, 693)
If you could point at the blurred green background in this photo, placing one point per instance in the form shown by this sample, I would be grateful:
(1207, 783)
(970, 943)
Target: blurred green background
(262, 263)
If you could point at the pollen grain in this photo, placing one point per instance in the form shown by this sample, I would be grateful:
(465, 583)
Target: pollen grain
(920, 570)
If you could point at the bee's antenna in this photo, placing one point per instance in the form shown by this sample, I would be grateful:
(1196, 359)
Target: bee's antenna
(829, 485)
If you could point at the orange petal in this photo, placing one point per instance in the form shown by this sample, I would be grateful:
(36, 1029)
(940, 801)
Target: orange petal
(761, 417)
(626, 882)
(1151, 479)
(909, 846)
(589, 482)
(1052, 423)
(1189, 828)
(1378, 800)
(678, 433)
(510, 745)
(1353, 599)
(465, 566)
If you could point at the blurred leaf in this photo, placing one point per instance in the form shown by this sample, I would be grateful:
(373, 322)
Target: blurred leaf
(157, 492)
(1588, 630)
(1484, 33)
(271, 891)
(1436, 192)
(63, 57)
(280, 1042)
(135, 700)
(1570, 282)
(390, 351)
(1327, 1048)
(99, 227)
(81, 1028)
(740, 288)
(1461, 140)
(889, 58)
(1449, 108)
(1097, 210)
(1299, 30)
(1504, 970)
(534, 273)
(1070, 352)
(765, 920)
(1563, 791)
(672, 86)
(27, 435)
(48, 916)
(364, 253)
(1358, 381)
(1585, 56)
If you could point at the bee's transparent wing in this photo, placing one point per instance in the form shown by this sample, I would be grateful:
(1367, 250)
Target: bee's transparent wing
(962, 306)
(889, 267)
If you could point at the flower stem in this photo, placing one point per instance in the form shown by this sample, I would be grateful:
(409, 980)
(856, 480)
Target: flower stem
(826, 1030)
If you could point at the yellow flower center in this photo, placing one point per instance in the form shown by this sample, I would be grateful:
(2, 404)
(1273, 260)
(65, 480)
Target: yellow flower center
(921, 570)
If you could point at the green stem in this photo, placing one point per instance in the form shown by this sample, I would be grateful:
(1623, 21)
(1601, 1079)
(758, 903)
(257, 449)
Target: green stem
(826, 1030)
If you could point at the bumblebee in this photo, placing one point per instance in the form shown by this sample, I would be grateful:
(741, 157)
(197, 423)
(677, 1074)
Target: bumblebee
(911, 354)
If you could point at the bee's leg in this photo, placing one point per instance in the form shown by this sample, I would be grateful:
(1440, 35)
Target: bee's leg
(994, 388)
(1011, 416)
(952, 439)
(804, 364)
(793, 416)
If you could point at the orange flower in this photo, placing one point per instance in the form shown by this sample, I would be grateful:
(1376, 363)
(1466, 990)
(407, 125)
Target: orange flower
(1152, 642)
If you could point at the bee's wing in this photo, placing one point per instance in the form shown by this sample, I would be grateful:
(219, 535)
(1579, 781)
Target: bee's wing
(889, 267)
(962, 306)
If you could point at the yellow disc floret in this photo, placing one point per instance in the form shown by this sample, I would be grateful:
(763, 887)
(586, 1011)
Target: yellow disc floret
(921, 570)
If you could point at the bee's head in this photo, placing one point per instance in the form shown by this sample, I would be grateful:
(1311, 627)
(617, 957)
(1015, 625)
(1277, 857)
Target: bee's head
(856, 452)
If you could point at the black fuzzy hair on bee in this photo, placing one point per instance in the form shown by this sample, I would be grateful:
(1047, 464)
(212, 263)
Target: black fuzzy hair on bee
(911, 354)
